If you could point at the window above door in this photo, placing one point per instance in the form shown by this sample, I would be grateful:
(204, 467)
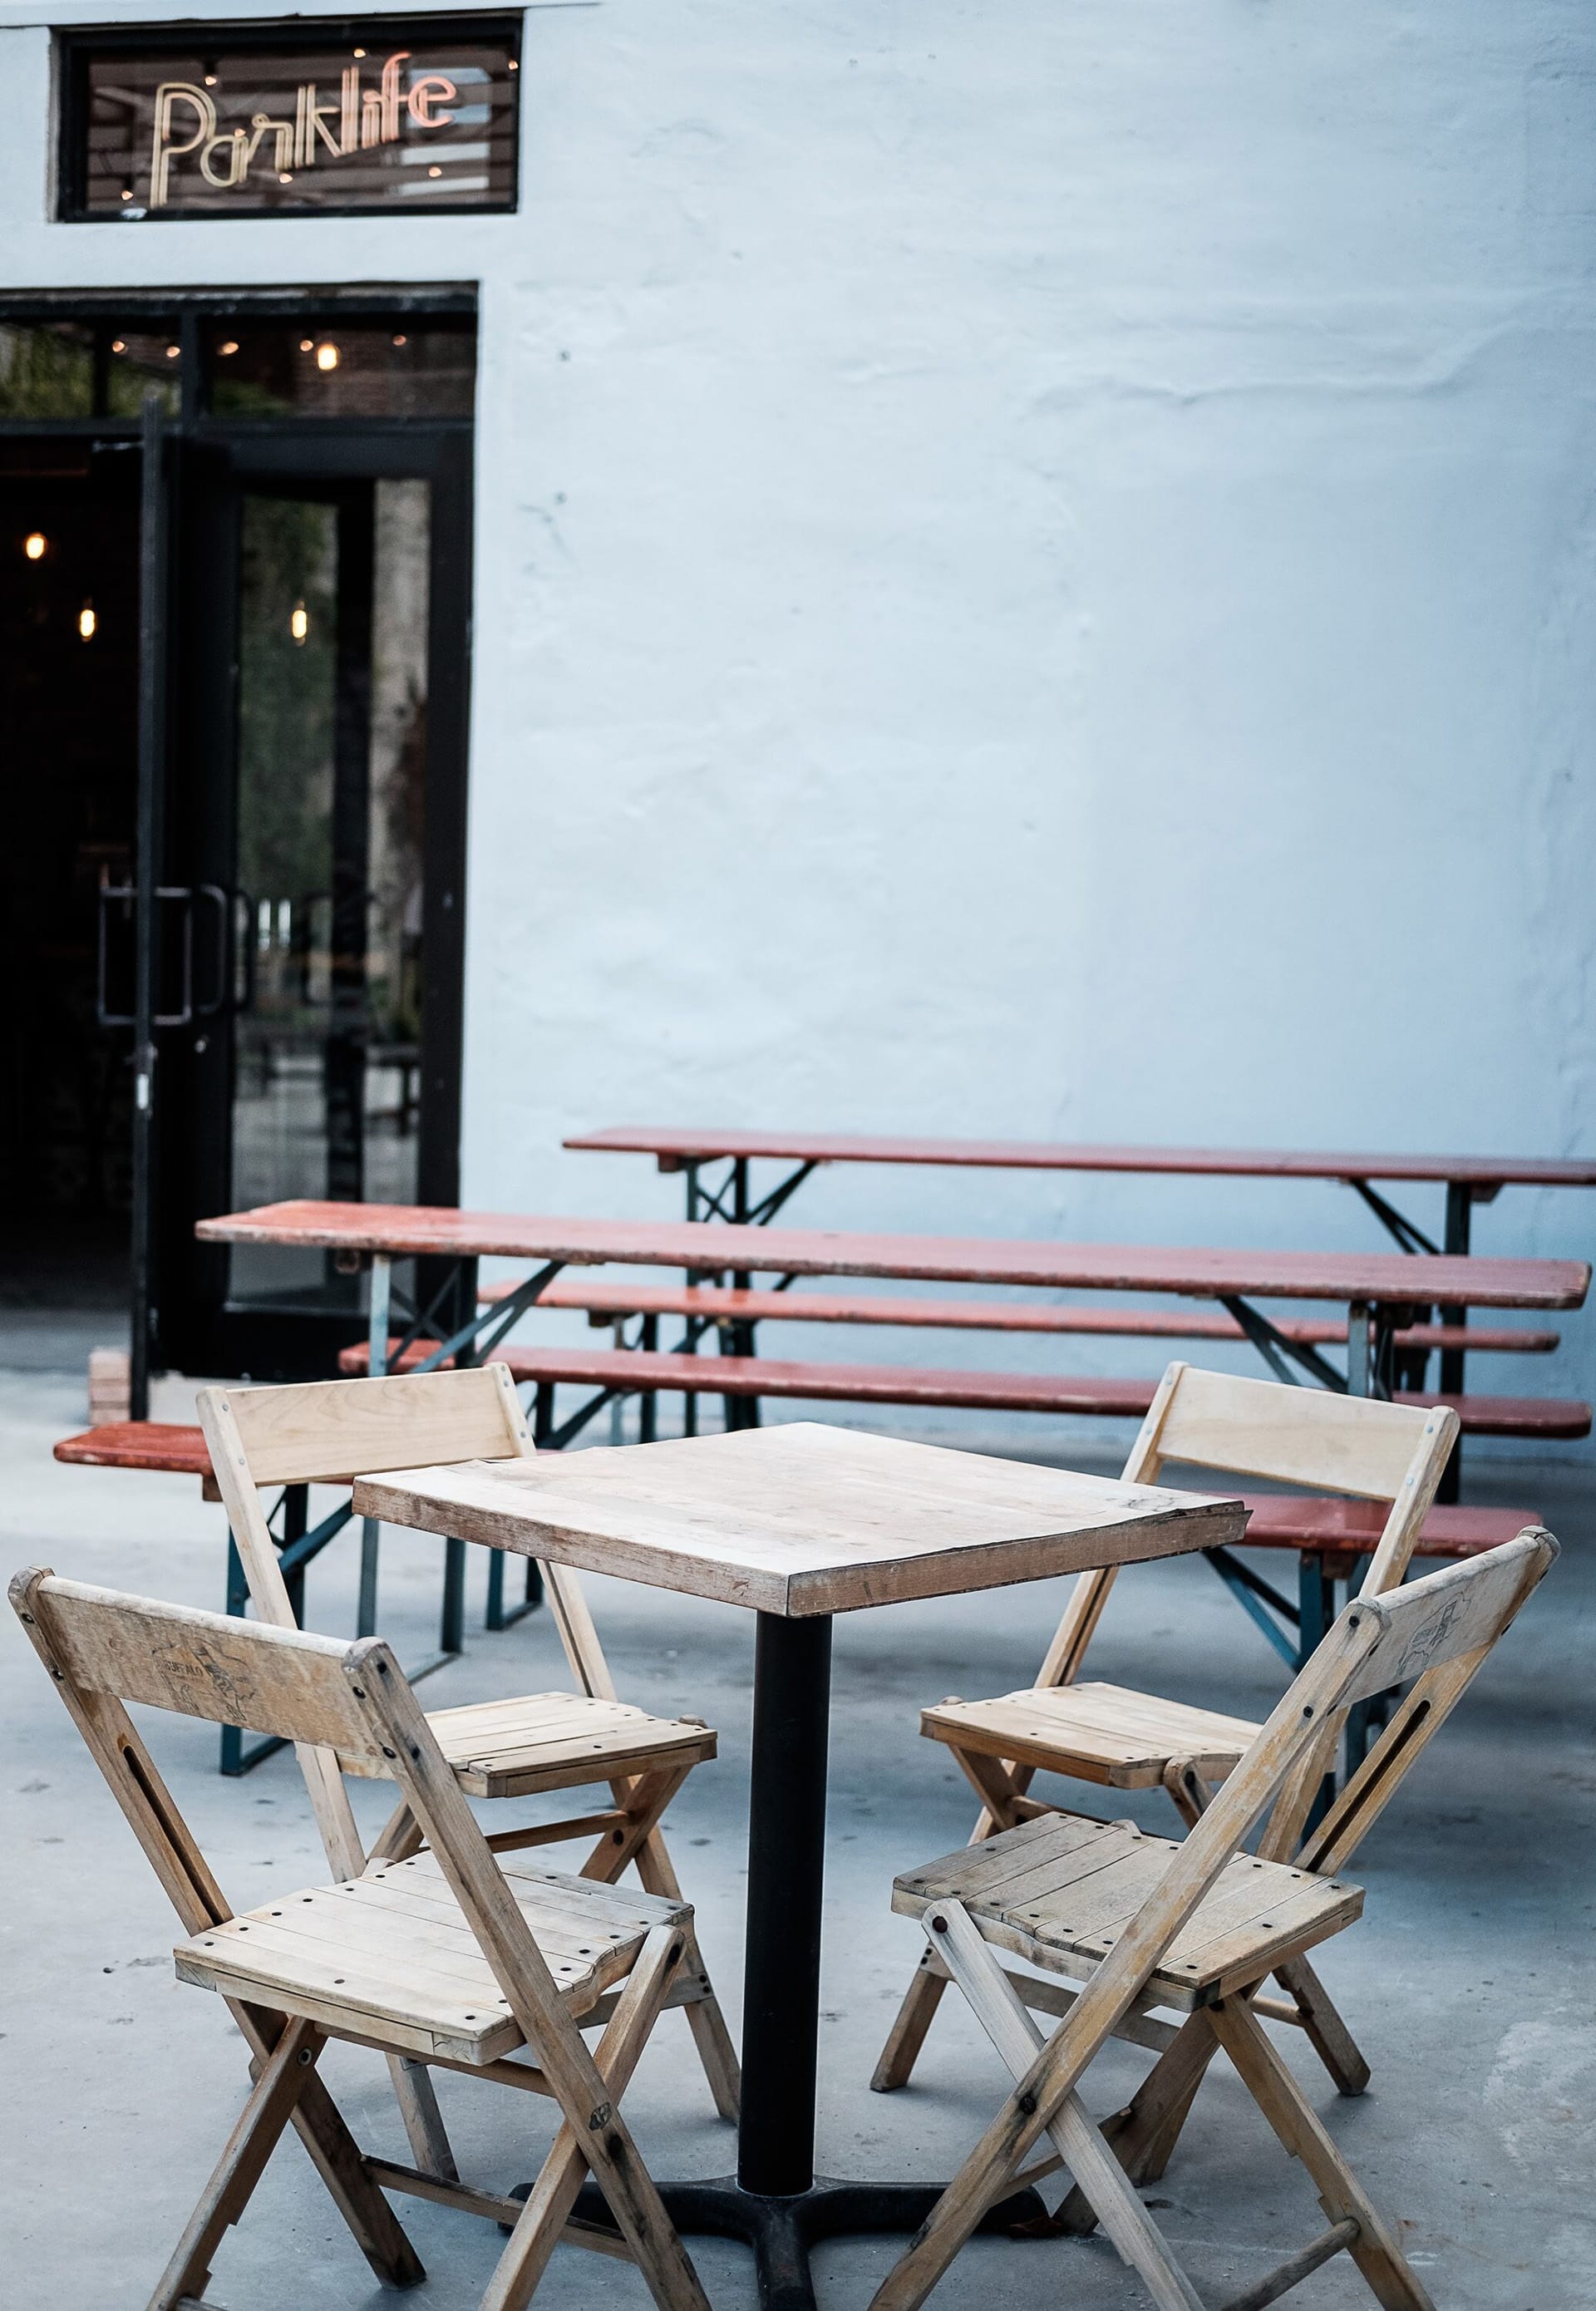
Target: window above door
(233, 358)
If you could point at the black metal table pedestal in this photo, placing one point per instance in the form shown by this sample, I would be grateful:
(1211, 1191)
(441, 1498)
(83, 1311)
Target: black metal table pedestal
(775, 2202)
(782, 2230)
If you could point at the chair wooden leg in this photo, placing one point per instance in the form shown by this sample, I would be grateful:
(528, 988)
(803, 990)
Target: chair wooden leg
(399, 1839)
(914, 2017)
(995, 1785)
(417, 2098)
(374, 2225)
(1327, 2034)
(643, 1802)
(705, 2019)
(1001, 2013)
(908, 2032)
(712, 2039)
(335, 2156)
(565, 2170)
(1273, 2087)
(251, 2143)
(1142, 2135)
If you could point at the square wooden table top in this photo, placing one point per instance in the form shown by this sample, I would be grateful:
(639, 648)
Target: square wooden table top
(802, 1518)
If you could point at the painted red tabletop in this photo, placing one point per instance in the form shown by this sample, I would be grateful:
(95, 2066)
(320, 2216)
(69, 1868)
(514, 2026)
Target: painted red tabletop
(708, 1248)
(675, 1147)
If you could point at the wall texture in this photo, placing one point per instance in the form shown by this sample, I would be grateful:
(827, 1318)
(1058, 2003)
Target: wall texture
(1036, 574)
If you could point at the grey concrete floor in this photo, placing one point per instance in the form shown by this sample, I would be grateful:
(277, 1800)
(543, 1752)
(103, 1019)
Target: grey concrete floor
(1468, 1982)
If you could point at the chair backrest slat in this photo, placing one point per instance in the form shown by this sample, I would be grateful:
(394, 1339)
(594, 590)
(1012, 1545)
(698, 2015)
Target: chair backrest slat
(1378, 1452)
(315, 1432)
(1461, 1609)
(207, 1665)
(336, 1430)
(1353, 1444)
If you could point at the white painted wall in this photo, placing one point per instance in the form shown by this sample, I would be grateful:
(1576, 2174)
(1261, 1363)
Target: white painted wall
(1036, 575)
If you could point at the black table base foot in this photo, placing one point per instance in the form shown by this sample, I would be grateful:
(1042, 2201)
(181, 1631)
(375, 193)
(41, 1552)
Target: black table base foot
(783, 2230)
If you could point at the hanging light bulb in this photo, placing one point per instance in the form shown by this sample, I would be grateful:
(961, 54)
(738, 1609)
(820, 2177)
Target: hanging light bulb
(34, 545)
(326, 356)
(86, 622)
(298, 623)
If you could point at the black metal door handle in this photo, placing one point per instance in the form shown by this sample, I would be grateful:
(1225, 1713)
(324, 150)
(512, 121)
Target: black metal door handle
(219, 901)
(126, 893)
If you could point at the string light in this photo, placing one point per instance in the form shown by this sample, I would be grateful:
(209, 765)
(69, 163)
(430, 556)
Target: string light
(119, 344)
(326, 356)
(299, 624)
(34, 545)
(231, 346)
(401, 340)
(86, 622)
(307, 345)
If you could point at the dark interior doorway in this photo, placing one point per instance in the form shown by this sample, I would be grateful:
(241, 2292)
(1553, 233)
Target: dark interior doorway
(291, 473)
(69, 570)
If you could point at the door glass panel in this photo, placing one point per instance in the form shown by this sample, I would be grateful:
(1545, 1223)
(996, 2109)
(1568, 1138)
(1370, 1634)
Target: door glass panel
(332, 747)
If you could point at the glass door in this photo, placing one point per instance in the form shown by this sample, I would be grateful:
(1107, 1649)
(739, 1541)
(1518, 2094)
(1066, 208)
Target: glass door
(331, 811)
(325, 764)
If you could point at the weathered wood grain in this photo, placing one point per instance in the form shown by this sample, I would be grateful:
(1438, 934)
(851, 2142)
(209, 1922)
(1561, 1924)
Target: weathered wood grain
(802, 1519)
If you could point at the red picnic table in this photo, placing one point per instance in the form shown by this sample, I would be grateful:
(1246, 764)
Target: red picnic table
(1376, 1288)
(1469, 1180)
(1482, 1176)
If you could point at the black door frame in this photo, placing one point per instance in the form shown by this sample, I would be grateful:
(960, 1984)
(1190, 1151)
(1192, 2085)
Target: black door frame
(180, 1287)
(199, 1330)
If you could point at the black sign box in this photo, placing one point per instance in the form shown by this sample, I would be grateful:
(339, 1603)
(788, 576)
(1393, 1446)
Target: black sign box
(400, 115)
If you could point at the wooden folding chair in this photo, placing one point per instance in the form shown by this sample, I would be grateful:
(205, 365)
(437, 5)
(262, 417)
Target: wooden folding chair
(1195, 1927)
(447, 1956)
(1119, 1739)
(332, 1431)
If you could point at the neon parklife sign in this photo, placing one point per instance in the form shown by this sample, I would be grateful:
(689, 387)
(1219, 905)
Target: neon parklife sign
(363, 118)
(413, 115)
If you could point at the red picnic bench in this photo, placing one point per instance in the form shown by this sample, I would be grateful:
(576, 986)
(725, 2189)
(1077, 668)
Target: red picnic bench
(632, 1372)
(727, 1306)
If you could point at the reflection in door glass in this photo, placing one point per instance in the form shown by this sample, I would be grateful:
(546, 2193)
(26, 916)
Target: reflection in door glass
(332, 747)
